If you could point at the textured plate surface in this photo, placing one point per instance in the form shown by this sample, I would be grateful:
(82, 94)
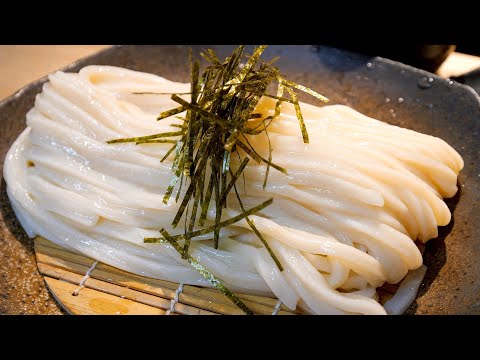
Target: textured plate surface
(377, 87)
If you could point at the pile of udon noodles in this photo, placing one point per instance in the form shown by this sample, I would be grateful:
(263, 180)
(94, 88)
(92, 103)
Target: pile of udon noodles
(342, 223)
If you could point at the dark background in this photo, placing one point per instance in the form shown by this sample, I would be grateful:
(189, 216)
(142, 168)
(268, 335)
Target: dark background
(469, 48)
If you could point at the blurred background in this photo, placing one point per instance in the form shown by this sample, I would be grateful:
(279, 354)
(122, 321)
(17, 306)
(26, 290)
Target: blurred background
(22, 64)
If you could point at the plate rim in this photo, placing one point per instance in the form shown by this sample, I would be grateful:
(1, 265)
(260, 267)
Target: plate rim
(460, 89)
(114, 48)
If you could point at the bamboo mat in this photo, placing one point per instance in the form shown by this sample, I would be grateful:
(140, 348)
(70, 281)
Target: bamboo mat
(83, 286)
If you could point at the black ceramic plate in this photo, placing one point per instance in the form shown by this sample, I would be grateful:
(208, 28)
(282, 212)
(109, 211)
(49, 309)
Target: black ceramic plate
(386, 90)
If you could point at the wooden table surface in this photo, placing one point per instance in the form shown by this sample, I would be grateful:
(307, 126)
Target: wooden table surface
(22, 64)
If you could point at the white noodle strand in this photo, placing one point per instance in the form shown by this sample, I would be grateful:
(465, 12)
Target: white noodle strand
(343, 221)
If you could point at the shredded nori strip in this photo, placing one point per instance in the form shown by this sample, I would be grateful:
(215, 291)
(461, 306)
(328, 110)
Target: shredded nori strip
(149, 137)
(209, 229)
(207, 274)
(169, 113)
(218, 123)
(259, 235)
(299, 115)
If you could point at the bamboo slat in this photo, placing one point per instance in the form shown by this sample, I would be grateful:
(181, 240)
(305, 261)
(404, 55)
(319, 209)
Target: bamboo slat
(108, 290)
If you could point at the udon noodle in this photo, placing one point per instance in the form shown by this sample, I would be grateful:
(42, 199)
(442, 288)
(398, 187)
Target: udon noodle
(343, 220)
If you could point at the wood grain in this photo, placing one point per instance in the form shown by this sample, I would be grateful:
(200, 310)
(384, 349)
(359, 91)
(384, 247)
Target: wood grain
(458, 64)
(111, 291)
(22, 64)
